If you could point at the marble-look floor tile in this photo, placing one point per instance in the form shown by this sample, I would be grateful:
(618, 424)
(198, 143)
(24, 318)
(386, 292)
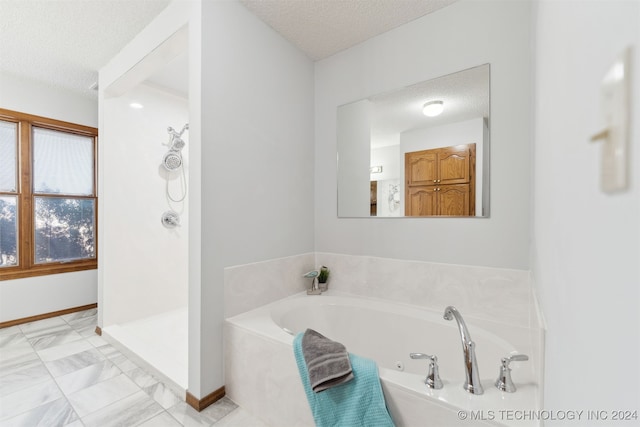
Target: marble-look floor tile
(87, 331)
(124, 363)
(83, 322)
(13, 340)
(109, 351)
(88, 382)
(163, 419)
(35, 327)
(56, 413)
(74, 362)
(12, 346)
(71, 317)
(57, 338)
(141, 377)
(24, 378)
(130, 411)
(100, 395)
(220, 409)
(10, 330)
(64, 350)
(86, 377)
(85, 326)
(51, 330)
(28, 398)
(163, 395)
(189, 417)
(96, 341)
(18, 363)
(240, 418)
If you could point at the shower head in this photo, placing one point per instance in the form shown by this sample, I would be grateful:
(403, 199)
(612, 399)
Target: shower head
(172, 160)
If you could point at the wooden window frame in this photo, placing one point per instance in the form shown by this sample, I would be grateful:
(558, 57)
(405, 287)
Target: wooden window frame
(27, 266)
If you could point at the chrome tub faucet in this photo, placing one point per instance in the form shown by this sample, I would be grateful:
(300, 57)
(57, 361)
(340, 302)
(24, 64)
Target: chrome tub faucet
(313, 275)
(472, 382)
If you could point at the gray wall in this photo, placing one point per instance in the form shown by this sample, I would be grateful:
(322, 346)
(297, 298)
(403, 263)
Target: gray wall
(463, 35)
(257, 158)
(586, 243)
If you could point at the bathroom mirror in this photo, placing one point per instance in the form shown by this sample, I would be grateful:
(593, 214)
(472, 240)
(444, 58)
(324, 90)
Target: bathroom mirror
(398, 156)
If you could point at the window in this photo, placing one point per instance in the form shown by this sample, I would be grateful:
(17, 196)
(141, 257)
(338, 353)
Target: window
(48, 202)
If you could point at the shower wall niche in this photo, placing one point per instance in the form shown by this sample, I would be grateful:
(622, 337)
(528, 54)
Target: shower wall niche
(145, 264)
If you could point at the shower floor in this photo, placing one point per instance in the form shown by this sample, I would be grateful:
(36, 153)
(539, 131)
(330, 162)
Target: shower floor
(160, 340)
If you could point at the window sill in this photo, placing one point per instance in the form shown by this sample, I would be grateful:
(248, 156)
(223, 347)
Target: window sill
(11, 273)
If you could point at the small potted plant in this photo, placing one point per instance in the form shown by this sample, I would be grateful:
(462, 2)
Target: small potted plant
(323, 277)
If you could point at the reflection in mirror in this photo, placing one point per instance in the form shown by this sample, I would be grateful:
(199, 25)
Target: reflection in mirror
(420, 151)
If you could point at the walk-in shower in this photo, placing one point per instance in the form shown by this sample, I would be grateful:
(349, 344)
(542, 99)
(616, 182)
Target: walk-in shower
(144, 257)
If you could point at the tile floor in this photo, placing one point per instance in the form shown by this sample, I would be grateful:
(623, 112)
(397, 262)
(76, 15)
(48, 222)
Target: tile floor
(58, 372)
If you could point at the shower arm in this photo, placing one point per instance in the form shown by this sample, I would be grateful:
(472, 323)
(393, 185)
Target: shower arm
(173, 132)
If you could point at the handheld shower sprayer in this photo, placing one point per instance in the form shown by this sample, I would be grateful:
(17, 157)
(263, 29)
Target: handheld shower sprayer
(172, 160)
(176, 143)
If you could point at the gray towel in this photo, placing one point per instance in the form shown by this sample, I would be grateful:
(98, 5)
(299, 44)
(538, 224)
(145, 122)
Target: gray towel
(327, 361)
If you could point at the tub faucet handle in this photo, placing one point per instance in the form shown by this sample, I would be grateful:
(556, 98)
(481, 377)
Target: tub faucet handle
(433, 376)
(504, 382)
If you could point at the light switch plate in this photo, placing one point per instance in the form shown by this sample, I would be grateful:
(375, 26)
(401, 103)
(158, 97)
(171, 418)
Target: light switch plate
(616, 99)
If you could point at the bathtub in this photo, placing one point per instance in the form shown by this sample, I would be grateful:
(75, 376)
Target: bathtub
(262, 377)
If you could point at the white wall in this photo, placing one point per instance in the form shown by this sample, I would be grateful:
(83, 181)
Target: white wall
(354, 130)
(387, 157)
(388, 195)
(21, 298)
(257, 159)
(460, 36)
(32, 97)
(586, 244)
(466, 132)
(147, 263)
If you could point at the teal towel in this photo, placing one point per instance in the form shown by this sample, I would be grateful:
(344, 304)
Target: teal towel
(357, 403)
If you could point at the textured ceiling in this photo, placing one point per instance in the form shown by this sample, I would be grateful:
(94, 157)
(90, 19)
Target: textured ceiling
(65, 42)
(465, 95)
(321, 28)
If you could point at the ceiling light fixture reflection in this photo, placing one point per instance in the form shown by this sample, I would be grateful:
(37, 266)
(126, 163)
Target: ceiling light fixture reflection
(433, 108)
(136, 105)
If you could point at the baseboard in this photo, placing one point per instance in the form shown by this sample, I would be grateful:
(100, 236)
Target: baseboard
(46, 315)
(200, 404)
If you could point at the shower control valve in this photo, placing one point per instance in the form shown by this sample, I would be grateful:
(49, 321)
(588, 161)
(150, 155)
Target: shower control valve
(170, 219)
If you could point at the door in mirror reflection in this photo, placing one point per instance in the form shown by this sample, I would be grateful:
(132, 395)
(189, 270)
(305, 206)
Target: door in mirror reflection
(440, 181)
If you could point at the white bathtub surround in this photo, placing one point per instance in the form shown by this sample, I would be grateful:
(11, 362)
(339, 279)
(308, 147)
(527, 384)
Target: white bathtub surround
(158, 342)
(261, 374)
(496, 294)
(252, 285)
(486, 295)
